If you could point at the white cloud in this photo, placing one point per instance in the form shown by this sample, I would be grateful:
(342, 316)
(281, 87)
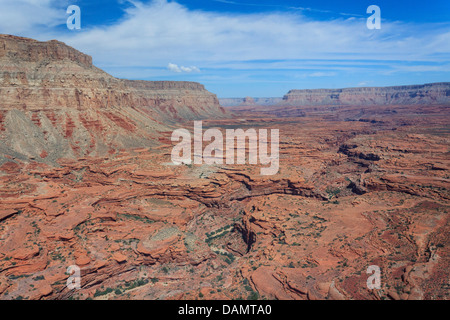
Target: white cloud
(168, 31)
(424, 68)
(175, 68)
(322, 74)
(158, 32)
(190, 69)
(31, 17)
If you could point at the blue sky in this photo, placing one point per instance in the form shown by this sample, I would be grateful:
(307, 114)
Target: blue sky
(249, 48)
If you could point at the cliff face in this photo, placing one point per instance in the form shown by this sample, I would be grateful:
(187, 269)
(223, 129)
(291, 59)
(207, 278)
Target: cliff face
(359, 187)
(19, 49)
(434, 93)
(55, 103)
(348, 195)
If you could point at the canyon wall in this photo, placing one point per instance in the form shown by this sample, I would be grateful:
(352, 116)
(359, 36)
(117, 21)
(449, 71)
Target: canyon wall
(56, 103)
(433, 93)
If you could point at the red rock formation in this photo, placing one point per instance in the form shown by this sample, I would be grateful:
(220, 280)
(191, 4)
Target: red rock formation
(433, 93)
(55, 103)
(358, 187)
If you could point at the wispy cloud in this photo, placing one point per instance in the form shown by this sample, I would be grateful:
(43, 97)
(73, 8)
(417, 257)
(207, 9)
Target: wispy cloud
(322, 74)
(31, 16)
(168, 31)
(248, 4)
(363, 84)
(151, 36)
(175, 68)
(286, 7)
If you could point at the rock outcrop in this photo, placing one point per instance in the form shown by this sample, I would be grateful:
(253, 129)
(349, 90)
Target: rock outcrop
(433, 93)
(346, 197)
(365, 186)
(56, 103)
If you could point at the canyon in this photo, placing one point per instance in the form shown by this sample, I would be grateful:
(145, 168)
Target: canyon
(86, 179)
(56, 104)
(432, 93)
(295, 102)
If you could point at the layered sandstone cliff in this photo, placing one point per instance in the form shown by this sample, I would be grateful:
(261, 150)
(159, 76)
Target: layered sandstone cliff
(348, 195)
(56, 103)
(433, 93)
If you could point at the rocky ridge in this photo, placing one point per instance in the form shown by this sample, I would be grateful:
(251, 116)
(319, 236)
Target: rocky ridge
(432, 93)
(359, 187)
(56, 103)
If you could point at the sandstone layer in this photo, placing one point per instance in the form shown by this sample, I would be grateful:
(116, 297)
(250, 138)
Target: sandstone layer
(349, 194)
(55, 103)
(357, 187)
(432, 93)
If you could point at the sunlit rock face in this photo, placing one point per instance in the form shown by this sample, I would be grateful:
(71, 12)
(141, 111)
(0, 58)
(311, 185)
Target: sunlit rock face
(86, 180)
(55, 103)
(434, 93)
